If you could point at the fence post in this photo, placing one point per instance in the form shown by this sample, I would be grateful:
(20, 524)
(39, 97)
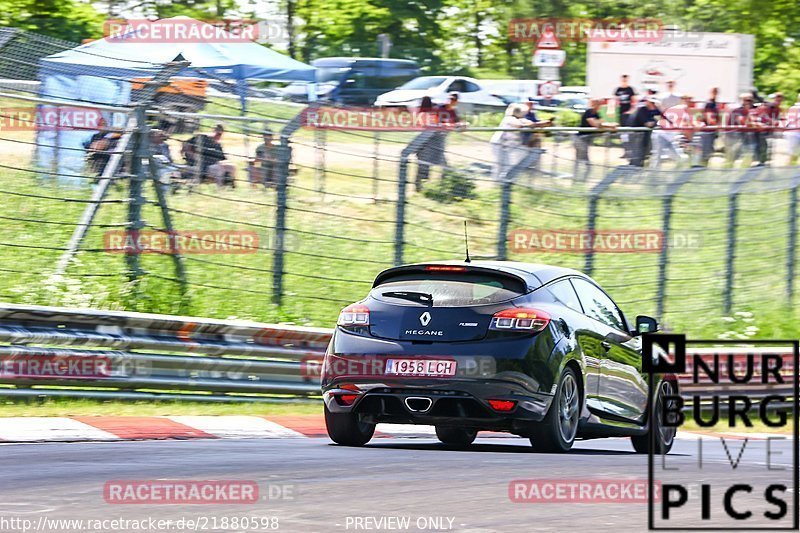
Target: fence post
(320, 170)
(530, 158)
(375, 158)
(141, 150)
(730, 255)
(596, 192)
(792, 246)
(177, 258)
(281, 197)
(402, 180)
(672, 190)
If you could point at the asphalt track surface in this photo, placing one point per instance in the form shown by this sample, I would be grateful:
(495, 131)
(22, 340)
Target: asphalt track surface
(332, 485)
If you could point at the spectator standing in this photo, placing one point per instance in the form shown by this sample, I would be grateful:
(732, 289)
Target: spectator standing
(507, 145)
(646, 116)
(529, 138)
(624, 94)
(589, 119)
(739, 119)
(431, 152)
(670, 98)
(792, 133)
(768, 116)
(710, 119)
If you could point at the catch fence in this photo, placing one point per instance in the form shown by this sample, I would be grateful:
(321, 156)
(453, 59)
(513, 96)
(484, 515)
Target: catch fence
(299, 229)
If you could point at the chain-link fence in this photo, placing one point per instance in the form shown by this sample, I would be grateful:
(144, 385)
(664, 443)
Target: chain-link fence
(176, 201)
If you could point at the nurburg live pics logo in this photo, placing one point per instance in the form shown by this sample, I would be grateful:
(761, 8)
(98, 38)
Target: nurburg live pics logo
(746, 488)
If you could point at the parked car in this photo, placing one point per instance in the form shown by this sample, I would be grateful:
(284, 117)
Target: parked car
(354, 80)
(535, 350)
(473, 96)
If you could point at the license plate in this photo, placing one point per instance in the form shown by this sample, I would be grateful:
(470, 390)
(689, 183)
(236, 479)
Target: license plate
(421, 367)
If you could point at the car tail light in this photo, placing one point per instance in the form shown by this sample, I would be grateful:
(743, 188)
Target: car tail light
(445, 268)
(520, 319)
(502, 406)
(354, 315)
(348, 399)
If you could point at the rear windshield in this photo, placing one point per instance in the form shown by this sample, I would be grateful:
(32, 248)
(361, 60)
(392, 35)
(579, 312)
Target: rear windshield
(449, 289)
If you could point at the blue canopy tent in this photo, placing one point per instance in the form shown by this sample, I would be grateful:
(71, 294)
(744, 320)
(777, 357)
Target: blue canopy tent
(101, 72)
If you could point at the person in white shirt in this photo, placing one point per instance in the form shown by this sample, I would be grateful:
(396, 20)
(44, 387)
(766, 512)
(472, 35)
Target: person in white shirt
(507, 145)
(792, 135)
(670, 97)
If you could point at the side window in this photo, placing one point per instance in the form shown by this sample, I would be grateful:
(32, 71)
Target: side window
(470, 87)
(597, 304)
(456, 87)
(565, 294)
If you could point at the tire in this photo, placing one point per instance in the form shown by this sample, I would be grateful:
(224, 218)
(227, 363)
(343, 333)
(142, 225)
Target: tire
(556, 433)
(456, 436)
(346, 429)
(665, 436)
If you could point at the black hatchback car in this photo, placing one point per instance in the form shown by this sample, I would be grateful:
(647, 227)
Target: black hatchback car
(535, 350)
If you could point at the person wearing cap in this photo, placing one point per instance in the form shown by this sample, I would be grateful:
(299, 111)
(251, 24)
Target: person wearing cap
(528, 137)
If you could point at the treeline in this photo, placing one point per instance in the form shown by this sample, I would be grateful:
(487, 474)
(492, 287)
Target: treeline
(452, 36)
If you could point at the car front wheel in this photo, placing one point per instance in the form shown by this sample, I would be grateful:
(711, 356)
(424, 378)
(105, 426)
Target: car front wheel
(346, 429)
(556, 433)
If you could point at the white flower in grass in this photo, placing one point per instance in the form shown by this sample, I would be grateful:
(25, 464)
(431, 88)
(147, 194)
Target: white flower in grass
(728, 319)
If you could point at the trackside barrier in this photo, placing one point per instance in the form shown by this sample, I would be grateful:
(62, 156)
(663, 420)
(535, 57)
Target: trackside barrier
(51, 351)
(130, 355)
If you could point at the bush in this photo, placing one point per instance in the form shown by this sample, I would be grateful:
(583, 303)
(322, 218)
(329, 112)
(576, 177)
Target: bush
(453, 187)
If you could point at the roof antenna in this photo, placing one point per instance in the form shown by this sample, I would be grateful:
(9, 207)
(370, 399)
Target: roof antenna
(466, 243)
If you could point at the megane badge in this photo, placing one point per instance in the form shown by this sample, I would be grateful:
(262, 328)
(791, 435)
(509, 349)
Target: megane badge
(425, 318)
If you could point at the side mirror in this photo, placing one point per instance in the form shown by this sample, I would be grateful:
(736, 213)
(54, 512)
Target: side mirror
(646, 324)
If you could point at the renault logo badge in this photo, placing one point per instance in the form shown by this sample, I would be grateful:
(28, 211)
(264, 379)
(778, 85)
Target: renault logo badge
(425, 318)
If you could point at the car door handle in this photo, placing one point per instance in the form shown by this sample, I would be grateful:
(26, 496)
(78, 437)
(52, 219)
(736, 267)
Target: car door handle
(606, 345)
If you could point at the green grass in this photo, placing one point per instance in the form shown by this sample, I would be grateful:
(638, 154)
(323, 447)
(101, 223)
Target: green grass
(75, 407)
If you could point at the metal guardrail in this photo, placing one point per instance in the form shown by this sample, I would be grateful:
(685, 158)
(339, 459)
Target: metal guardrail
(136, 355)
(112, 354)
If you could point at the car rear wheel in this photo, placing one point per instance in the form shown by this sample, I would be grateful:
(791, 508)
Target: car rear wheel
(665, 435)
(347, 429)
(456, 436)
(556, 433)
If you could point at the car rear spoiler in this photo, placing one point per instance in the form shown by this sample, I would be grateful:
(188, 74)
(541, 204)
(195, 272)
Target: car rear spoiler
(529, 280)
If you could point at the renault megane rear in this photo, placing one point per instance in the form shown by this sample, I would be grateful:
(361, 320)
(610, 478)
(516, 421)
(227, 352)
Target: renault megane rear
(535, 350)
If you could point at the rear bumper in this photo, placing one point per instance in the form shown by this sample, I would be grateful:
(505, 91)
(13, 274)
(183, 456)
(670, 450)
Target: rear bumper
(462, 403)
